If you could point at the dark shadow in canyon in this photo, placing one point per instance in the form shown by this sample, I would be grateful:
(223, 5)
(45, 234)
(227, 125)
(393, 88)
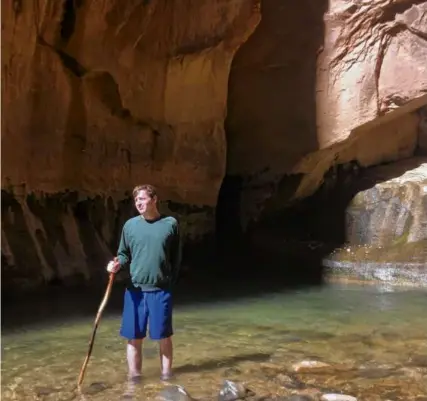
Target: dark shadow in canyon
(58, 304)
(270, 125)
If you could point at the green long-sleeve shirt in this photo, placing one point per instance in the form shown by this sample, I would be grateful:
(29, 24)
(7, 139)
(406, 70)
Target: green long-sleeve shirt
(152, 249)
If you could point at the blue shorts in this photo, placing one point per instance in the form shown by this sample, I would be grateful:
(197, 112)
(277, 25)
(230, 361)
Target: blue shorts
(147, 308)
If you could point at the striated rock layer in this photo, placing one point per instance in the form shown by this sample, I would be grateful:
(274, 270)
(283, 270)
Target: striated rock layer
(330, 83)
(392, 211)
(99, 96)
(386, 226)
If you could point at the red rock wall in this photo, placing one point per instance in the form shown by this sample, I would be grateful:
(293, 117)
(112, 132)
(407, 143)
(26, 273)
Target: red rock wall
(321, 83)
(99, 96)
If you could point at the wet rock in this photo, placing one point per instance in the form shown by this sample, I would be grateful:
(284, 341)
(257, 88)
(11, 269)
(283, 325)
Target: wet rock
(393, 209)
(231, 391)
(45, 391)
(377, 373)
(414, 373)
(419, 361)
(174, 393)
(298, 397)
(311, 366)
(231, 371)
(265, 397)
(337, 397)
(270, 366)
(96, 388)
(289, 382)
(313, 392)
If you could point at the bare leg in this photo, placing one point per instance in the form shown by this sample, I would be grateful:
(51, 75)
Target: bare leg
(166, 356)
(134, 357)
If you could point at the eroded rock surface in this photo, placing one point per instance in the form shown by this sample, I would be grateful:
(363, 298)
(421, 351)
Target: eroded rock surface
(330, 83)
(99, 96)
(393, 210)
(386, 226)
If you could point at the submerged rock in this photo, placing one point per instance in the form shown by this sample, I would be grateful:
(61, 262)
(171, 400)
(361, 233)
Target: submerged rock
(418, 361)
(231, 391)
(289, 382)
(96, 388)
(311, 366)
(45, 391)
(174, 393)
(299, 397)
(234, 370)
(377, 373)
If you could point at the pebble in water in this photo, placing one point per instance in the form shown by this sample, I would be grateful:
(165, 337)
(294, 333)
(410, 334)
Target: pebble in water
(232, 371)
(289, 382)
(45, 391)
(337, 397)
(96, 387)
(231, 391)
(311, 366)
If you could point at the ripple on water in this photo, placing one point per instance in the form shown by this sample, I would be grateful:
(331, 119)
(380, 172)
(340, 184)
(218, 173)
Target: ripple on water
(375, 344)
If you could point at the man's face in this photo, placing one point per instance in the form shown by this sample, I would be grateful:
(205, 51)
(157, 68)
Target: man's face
(143, 202)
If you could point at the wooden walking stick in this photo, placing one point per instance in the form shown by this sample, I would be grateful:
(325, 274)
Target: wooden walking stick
(97, 319)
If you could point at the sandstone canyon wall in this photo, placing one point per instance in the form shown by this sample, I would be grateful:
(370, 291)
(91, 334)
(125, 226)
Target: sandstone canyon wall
(320, 84)
(97, 97)
(101, 95)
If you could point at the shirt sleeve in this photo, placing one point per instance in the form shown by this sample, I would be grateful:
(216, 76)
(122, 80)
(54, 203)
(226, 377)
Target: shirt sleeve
(123, 253)
(176, 253)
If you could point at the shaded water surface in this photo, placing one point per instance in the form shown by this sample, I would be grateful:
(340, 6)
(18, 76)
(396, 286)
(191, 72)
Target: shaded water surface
(373, 339)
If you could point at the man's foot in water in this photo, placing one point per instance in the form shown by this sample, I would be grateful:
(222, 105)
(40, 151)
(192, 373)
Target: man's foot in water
(131, 384)
(167, 376)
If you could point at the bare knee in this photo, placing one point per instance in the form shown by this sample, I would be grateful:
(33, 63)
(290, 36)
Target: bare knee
(135, 343)
(165, 343)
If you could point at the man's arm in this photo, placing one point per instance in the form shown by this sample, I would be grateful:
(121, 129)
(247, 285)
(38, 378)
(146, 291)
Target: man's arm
(176, 253)
(123, 253)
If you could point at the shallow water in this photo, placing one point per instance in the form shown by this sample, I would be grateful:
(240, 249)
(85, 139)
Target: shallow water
(374, 339)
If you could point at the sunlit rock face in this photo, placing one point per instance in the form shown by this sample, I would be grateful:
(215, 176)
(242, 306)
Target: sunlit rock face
(394, 210)
(386, 226)
(319, 84)
(99, 96)
(372, 63)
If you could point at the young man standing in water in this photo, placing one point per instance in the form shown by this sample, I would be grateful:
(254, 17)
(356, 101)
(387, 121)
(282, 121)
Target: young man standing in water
(150, 246)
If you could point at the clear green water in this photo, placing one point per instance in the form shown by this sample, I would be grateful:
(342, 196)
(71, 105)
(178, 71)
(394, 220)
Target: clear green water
(375, 340)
